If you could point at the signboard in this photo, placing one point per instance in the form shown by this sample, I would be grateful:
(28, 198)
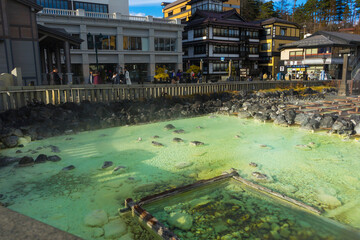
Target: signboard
(244, 72)
(282, 68)
(222, 59)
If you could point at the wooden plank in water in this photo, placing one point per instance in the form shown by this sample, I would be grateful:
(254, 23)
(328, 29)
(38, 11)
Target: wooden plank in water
(276, 194)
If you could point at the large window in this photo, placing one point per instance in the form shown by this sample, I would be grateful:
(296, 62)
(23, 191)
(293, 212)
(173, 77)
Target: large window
(232, 49)
(220, 66)
(91, 7)
(60, 4)
(184, 35)
(252, 34)
(225, 32)
(253, 50)
(283, 31)
(200, 32)
(265, 46)
(200, 49)
(135, 43)
(296, 55)
(165, 44)
(107, 42)
(208, 7)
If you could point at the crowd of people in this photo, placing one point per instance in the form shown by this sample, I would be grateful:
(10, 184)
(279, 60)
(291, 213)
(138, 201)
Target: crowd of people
(116, 77)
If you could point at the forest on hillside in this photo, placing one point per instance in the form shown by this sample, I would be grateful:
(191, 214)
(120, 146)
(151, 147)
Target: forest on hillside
(313, 15)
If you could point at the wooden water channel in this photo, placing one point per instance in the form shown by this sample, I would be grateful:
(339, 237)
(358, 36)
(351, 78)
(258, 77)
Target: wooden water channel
(18, 96)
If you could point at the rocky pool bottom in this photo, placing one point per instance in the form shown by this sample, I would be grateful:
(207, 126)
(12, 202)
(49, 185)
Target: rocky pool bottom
(84, 200)
(230, 210)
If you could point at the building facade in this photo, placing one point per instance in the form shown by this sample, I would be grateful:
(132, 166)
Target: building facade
(321, 52)
(184, 9)
(98, 6)
(18, 35)
(114, 41)
(276, 33)
(216, 38)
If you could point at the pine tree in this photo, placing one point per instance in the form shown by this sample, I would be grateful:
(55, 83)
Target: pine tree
(267, 10)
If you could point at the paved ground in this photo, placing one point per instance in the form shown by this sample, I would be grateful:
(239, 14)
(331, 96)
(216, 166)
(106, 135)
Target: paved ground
(15, 226)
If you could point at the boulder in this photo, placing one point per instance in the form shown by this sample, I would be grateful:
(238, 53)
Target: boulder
(97, 232)
(4, 161)
(290, 116)
(26, 161)
(327, 122)
(96, 218)
(243, 114)
(301, 118)
(310, 124)
(41, 158)
(180, 220)
(280, 120)
(115, 229)
(342, 125)
(24, 140)
(357, 128)
(54, 158)
(11, 141)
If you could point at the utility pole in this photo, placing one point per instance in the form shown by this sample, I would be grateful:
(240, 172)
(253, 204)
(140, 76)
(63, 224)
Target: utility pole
(293, 18)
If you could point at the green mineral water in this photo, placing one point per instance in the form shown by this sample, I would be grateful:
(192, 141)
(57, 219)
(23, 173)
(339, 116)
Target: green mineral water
(316, 168)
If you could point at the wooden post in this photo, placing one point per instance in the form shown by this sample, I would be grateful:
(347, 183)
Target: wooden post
(343, 88)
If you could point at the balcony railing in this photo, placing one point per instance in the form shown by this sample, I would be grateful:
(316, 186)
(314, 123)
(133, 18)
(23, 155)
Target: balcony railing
(83, 13)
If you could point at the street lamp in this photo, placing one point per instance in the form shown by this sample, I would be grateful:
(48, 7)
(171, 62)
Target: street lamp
(304, 29)
(96, 45)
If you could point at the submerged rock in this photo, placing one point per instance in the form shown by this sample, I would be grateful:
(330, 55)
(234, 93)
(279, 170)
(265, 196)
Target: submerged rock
(156, 136)
(54, 158)
(26, 161)
(115, 229)
(196, 143)
(149, 187)
(55, 149)
(68, 168)
(96, 218)
(177, 140)
(169, 127)
(259, 176)
(303, 147)
(328, 201)
(119, 169)
(107, 164)
(252, 164)
(179, 131)
(41, 158)
(157, 144)
(180, 220)
(11, 141)
(139, 139)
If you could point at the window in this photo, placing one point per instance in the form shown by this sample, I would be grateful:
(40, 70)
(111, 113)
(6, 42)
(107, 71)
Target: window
(170, 13)
(265, 47)
(106, 43)
(59, 4)
(253, 50)
(91, 7)
(74, 46)
(283, 31)
(134, 43)
(184, 35)
(200, 32)
(183, 9)
(226, 32)
(220, 66)
(296, 55)
(165, 44)
(185, 51)
(200, 49)
(268, 31)
(230, 49)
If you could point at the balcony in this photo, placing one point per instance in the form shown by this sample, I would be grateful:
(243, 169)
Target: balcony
(97, 15)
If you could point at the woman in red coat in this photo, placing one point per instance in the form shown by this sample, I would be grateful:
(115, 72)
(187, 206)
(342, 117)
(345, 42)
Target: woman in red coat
(97, 79)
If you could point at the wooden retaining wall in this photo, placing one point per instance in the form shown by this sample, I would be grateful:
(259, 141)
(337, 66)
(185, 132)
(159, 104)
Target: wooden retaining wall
(15, 97)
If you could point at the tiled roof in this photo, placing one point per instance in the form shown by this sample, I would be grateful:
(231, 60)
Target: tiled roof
(59, 32)
(228, 18)
(275, 20)
(323, 38)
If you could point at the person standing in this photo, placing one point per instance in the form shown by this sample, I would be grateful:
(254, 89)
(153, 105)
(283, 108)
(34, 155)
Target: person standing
(115, 78)
(55, 78)
(91, 78)
(127, 77)
(97, 78)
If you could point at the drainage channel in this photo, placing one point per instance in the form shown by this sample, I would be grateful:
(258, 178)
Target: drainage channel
(162, 232)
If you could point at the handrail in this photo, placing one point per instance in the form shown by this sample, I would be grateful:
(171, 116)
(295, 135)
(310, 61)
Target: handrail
(15, 97)
(82, 13)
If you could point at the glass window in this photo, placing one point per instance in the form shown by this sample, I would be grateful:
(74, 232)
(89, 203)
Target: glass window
(283, 31)
(112, 42)
(90, 41)
(265, 46)
(268, 31)
(183, 9)
(170, 13)
(145, 44)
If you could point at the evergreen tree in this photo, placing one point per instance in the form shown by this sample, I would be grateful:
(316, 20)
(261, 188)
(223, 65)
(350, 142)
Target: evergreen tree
(267, 10)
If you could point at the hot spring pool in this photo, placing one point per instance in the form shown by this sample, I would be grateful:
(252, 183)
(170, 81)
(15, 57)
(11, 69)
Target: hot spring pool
(324, 174)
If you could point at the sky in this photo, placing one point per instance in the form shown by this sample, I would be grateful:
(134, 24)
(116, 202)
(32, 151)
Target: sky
(153, 7)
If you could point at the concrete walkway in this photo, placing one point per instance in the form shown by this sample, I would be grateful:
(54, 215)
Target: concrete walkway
(14, 225)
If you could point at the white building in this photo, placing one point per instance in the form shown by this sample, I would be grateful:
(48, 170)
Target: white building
(139, 44)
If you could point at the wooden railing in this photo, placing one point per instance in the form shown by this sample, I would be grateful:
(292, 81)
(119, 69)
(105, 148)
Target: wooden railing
(15, 97)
